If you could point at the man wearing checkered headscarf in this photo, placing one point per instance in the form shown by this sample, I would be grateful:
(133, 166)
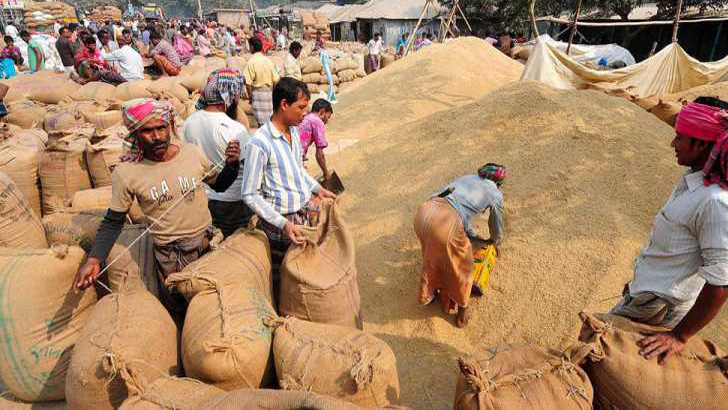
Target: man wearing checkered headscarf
(444, 226)
(211, 128)
(163, 177)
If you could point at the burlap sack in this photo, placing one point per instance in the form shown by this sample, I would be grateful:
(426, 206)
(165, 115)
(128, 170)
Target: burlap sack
(312, 78)
(169, 393)
(20, 227)
(59, 121)
(129, 327)
(237, 63)
(313, 88)
(25, 114)
(132, 90)
(99, 199)
(102, 158)
(347, 75)
(20, 164)
(521, 377)
(311, 65)
(242, 114)
(359, 61)
(318, 279)
(94, 91)
(72, 228)
(193, 81)
(335, 361)
(171, 86)
(63, 172)
(137, 258)
(54, 91)
(13, 135)
(695, 378)
(263, 399)
(103, 120)
(387, 59)
(42, 315)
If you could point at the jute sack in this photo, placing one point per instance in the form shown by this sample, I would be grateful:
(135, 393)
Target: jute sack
(72, 228)
(336, 361)
(237, 63)
(132, 259)
(313, 88)
(132, 89)
(11, 134)
(104, 119)
(243, 115)
(387, 59)
(263, 399)
(20, 164)
(99, 199)
(42, 318)
(359, 61)
(63, 172)
(126, 328)
(94, 91)
(312, 78)
(311, 65)
(20, 227)
(54, 91)
(59, 121)
(347, 75)
(694, 378)
(521, 377)
(169, 393)
(193, 81)
(25, 114)
(318, 278)
(102, 158)
(171, 86)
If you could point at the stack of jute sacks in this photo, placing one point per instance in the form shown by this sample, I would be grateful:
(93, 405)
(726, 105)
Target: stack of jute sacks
(100, 350)
(101, 14)
(604, 369)
(313, 23)
(345, 70)
(42, 15)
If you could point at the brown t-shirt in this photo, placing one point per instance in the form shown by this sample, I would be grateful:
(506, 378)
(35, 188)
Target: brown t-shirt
(158, 185)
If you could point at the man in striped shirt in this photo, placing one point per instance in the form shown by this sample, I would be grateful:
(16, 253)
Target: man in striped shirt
(275, 185)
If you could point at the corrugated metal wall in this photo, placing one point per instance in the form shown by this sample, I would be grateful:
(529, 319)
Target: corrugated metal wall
(392, 30)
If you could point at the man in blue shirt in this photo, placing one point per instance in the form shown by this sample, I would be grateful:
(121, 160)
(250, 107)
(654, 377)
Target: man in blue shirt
(401, 44)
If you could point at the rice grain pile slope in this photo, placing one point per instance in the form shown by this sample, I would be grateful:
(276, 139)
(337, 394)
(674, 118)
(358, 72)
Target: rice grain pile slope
(587, 172)
(438, 77)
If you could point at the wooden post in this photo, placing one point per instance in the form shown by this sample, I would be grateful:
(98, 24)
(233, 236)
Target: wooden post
(532, 16)
(417, 27)
(464, 18)
(450, 16)
(573, 26)
(677, 20)
(252, 11)
(199, 9)
(715, 40)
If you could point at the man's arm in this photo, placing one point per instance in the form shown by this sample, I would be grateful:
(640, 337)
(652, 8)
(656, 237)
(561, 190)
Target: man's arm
(115, 55)
(495, 222)
(321, 159)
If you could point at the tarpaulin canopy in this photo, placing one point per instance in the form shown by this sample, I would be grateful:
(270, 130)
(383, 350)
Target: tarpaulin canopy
(584, 53)
(670, 71)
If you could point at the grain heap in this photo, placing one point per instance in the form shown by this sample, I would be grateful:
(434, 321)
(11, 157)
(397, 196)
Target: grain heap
(587, 174)
(434, 79)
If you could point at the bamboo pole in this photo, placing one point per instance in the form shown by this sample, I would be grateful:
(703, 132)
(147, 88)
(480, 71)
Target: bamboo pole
(573, 26)
(450, 16)
(532, 16)
(464, 18)
(252, 11)
(676, 24)
(417, 27)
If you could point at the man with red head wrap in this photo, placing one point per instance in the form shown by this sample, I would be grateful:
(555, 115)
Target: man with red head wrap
(681, 278)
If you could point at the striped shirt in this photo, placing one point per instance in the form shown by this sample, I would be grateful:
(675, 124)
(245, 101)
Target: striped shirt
(166, 50)
(274, 181)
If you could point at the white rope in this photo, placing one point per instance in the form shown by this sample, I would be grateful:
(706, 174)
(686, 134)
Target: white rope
(177, 202)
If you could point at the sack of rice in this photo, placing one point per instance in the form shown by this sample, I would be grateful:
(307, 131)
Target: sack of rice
(55, 122)
(15, 136)
(20, 227)
(72, 228)
(193, 81)
(242, 115)
(102, 158)
(347, 75)
(103, 120)
(313, 88)
(311, 65)
(169, 393)
(20, 164)
(99, 199)
(63, 172)
(42, 315)
(312, 78)
(54, 91)
(521, 377)
(95, 90)
(318, 278)
(693, 378)
(132, 89)
(387, 59)
(358, 59)
(126, 327)
(238, 63)
(260, 399)
(25, 114)
(171, 86)
(359, 368)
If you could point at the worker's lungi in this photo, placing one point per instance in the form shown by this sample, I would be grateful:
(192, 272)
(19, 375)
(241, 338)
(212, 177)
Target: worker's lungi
(262, 105)
(650, 309)
(447, 255)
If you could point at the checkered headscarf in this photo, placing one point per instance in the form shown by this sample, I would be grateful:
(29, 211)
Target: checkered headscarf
(135, 114)
(493, 172)
(224, 86)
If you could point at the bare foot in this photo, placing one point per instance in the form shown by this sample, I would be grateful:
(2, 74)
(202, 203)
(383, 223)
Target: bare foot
(463, 317)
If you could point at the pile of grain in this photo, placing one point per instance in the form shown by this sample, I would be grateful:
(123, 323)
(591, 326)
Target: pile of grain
(587, 173)
(436, 78)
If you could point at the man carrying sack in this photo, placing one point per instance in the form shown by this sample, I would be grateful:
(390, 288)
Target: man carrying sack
(260, 75)
(681, 278)
(275, 185)
(164, 177)
(443, 226)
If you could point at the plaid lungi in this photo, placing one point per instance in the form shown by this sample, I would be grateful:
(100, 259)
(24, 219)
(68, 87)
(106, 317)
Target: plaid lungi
(262, 105)
(650, 309)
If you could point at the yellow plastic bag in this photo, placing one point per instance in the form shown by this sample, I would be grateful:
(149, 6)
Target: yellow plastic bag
(483, 265)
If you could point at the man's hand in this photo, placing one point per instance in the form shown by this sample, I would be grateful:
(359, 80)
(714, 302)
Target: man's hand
(327, 176)
(88, 273)
(232, 152)
(663, 344)
(293, 233)
(325, 193)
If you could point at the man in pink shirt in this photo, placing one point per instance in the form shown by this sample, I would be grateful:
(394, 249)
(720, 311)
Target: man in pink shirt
(313, 131)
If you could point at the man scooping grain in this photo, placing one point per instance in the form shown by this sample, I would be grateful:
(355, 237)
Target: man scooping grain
(165, 177)
(681, 278)
(443, 226)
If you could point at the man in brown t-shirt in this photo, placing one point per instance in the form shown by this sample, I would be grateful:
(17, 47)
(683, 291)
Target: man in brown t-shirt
(166, 178)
